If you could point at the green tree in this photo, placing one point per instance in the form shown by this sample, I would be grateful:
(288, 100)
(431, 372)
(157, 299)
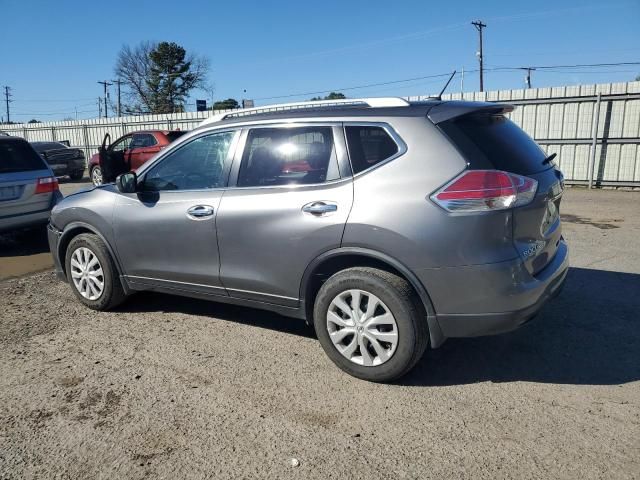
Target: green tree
(331, 96)
(34, 120)
(228, 104)
(159, 76)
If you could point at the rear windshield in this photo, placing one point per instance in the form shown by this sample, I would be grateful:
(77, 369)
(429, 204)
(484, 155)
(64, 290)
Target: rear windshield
(17, 156)
(173, 136)
(495, 142)
(44, 146)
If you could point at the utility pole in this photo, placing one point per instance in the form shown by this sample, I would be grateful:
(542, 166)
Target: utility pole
(118, 83)
(527, 79)
(7, 101)
(106, 95)
(99, 107)
(479, 26)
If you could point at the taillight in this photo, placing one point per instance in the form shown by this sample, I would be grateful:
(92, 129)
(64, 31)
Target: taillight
(46, 185)
(485, 190)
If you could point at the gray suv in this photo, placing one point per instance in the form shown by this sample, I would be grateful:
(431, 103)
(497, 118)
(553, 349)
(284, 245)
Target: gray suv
(387, 225)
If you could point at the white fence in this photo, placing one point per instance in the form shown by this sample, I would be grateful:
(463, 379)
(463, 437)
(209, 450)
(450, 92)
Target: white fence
(569, 121)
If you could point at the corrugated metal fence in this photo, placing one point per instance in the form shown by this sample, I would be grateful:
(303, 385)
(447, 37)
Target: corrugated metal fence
(594, 129)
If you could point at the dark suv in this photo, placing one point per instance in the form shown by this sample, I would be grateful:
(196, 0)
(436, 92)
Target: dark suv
(388, 225)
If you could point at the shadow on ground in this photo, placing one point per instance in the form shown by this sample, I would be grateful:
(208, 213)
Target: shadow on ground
(589, 335)
(24, 242)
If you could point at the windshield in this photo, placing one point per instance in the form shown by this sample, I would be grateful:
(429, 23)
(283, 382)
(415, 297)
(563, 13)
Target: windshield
(19, 157)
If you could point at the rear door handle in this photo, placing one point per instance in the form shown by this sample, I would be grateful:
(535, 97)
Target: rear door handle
(199, 212)
(320, 208)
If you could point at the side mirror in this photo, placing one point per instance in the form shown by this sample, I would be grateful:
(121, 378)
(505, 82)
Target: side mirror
(127, 182)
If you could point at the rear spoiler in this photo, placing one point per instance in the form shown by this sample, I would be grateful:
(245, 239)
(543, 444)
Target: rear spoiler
(445, 111)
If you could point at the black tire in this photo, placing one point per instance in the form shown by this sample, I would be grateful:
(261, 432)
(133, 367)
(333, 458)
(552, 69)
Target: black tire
(406, 307)
(112, 294)
(77, 175)
(92, 175)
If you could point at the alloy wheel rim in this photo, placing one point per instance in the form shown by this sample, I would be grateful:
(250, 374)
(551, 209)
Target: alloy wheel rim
(362, 328)
(97, 176)
(87, 274)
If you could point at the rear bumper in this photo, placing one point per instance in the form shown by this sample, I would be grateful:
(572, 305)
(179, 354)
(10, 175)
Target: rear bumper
(53, 236)
(495, 299)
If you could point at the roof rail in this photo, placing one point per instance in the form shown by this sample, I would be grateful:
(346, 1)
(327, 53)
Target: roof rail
(375, 102)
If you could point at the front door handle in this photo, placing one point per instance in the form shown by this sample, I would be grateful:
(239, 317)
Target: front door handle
(199, 212)
(320, 208)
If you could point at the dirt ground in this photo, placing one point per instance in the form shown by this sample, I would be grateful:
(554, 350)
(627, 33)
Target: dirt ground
(167, 387)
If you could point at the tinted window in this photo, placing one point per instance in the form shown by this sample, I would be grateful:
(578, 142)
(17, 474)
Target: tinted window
(368, 146)
(16, 156)
(173, 136)
(494, 141)
(196, 165)
(288, 156)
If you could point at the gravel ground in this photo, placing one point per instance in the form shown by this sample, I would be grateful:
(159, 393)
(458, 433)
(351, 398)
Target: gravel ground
(168, 387)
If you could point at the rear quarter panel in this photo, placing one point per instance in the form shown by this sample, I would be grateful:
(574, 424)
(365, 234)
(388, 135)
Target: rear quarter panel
(392, 212)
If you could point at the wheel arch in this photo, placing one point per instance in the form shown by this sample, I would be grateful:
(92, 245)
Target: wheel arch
(332, 261)
(77, 228)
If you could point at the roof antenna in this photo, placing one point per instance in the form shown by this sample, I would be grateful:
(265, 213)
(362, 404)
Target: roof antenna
(439, 96)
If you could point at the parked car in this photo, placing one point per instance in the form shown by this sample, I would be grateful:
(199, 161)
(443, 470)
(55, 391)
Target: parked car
(28, 187)
(62, 159)
(136, 148)
(406, 223)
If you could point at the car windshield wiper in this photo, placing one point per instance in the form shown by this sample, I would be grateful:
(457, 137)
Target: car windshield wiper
(549, 158)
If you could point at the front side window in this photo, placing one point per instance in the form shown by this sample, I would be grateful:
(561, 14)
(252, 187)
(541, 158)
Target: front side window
(288, 156)
(197, 165)
(368, 146)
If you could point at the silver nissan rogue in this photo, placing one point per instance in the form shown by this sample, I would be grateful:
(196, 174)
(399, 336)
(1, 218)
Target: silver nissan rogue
(388, 225)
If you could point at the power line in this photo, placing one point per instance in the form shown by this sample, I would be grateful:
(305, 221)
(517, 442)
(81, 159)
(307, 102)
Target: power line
(355, 87)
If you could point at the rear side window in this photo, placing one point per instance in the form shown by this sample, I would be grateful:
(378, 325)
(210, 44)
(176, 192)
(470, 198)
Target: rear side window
(368, 146)
(142, 140)
(495, 142)
(19, 157)
(288, 156)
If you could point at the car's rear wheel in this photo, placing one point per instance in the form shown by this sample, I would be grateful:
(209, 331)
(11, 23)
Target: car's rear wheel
(77, 175)
(371, 323)
(96, 176)
(92, 273)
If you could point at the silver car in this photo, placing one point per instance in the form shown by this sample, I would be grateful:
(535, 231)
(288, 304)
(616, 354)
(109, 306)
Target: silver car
(387, 225)
(28, 187)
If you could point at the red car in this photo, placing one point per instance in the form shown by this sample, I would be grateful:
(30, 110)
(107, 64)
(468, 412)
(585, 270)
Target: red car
(138, 147)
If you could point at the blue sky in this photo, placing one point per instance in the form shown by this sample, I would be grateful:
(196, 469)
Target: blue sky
(54, 52)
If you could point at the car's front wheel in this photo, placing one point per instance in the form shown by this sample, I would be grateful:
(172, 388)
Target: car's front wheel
(92, 273)
(371, 323)
(96, 176)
